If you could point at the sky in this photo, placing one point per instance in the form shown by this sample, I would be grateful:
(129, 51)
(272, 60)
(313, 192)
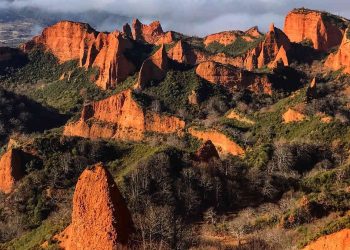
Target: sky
(195, 17)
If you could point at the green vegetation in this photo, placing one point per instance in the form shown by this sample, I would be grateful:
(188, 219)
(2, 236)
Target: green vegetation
(238, 47)
(36, 237)
(293, 174)
(332, 227)
(40, 80)
(174, 90)
(132, 155)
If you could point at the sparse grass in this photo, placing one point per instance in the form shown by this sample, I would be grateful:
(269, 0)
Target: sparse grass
(238, 47)
(36, 237)
(132, 155)
(331, 227)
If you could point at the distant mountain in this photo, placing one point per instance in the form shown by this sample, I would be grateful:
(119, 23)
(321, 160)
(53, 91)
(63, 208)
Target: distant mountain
(19, 25)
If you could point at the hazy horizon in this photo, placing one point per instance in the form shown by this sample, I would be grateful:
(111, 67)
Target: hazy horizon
(198, 17)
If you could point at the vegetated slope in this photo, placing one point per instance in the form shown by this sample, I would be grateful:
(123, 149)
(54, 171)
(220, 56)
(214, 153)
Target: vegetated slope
(287, 186)
(22, 115)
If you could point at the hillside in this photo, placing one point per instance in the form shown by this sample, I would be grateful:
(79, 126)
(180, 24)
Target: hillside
(151, 139)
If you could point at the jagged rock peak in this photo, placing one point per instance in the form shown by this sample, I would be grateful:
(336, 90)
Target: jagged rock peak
(100, 217)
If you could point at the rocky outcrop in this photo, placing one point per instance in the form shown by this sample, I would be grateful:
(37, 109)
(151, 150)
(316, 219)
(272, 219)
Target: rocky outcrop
(153, 68)
(166, 38)
(183, 53)
(121, 117)
(77, 41)
(271, 52)
(233, 77)
(207, 152)
(228, 37)
(193, 98)
(11, 170)
(147, 33)
(281, 59)
(323, 29)
(292, 115)
(336, 241)
(63, 39)
(222, 143)
(235, 116)
(100, 217)
(341, 58)
(218, 73)
(274, 48)
(253, 32)
(311, 91)
(224, 38)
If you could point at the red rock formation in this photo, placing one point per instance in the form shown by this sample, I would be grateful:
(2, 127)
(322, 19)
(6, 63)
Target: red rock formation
(63, 39)
(121, 117)
(253, 32)
(218, 73)
(303, 24)
(127, 30)
(336, 241)
(225, 38)
(341, 58)
(225, 59)
(275, 39)
(233, 78)
(11, 170)
(228, 37)
(153, 68)
(222, 143)
(147, 33)
(207, 152)
(105, 52)
(293, 116)
(100, 217)
(281, 58)
(185, 54)
(166, 38)
(77, 41)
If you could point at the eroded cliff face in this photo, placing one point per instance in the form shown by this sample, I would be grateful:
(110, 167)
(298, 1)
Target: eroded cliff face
(11, 170)
(100, 217)
(153, 68)
(273, 48)
(271, 52)
(147, 33)
(341, 58)
(336, 241)
(77, 41)
(152, 33)
(222, 143)
(324, 30)
(121, 117)
(233, 78)
(63, 39)
(185, 54)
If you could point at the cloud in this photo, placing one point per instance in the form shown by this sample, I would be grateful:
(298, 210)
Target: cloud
(198, 17)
